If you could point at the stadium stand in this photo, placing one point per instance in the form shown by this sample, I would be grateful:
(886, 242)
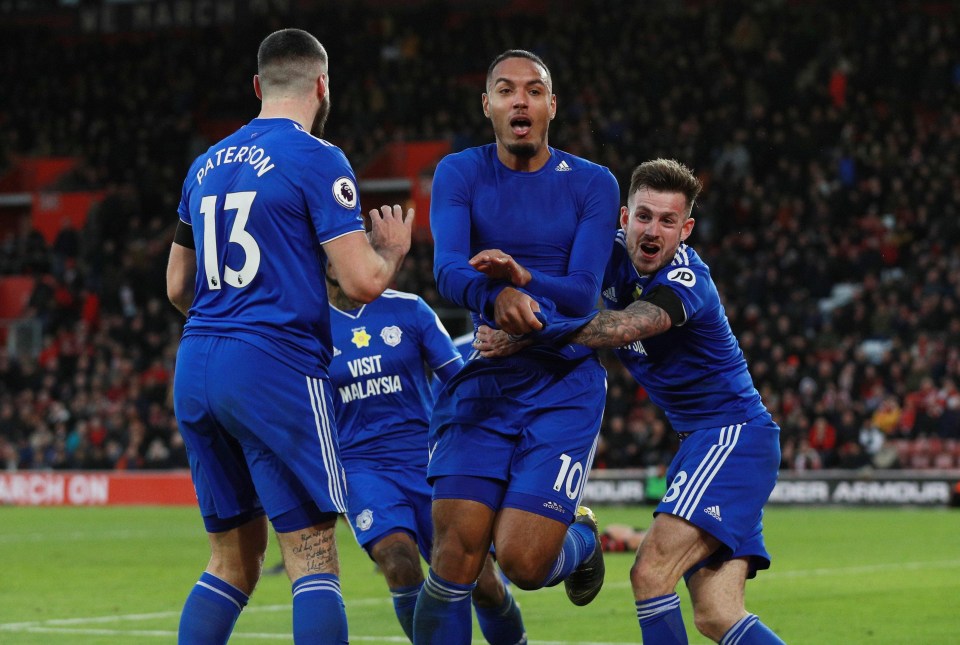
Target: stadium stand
(827, 136)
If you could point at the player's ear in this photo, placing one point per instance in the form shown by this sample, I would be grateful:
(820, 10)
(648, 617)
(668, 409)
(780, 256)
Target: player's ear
(624, 217)
(256, 87)
(553, 106)
(485, 100)
(686, 229)
(321, 87)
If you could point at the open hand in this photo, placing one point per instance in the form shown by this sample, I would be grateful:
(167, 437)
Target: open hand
(390, 230)
(500, 266)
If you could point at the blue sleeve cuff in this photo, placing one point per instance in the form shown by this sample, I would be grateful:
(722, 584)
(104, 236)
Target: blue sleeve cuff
(487, 315)
(556, 326)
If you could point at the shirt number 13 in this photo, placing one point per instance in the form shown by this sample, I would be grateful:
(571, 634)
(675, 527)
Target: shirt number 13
(242, 277)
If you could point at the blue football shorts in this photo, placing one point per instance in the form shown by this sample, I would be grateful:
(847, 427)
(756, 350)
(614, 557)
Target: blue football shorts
(388, 499)
(719, 481)
(259, 434)
(530, 424)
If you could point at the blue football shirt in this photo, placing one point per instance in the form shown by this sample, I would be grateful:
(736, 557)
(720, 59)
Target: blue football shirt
(261, 204)
(381, 390)
(558, 222)
(695, 372)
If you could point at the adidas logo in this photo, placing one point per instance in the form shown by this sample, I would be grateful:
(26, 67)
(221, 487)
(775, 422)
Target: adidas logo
(336, 352)
(610, 294)
(563, 167)
(553, 506)
(714, 512)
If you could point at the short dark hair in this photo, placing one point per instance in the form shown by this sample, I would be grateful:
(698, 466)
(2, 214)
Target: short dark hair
(284, 54)
(519, 53)
(668, 176)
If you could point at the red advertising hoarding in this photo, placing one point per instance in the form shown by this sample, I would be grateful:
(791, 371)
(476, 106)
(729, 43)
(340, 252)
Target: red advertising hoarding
(92, 488)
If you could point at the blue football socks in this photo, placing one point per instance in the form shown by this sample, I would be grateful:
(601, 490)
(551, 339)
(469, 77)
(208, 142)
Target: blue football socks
(502, 625)
(578, 545)
(443, 615)
(750, 631)
(404, 604)
(661, 621)
(319, 616)
(210, 611)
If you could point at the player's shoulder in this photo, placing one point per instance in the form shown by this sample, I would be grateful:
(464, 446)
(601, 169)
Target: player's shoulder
(466, 169)
(315, 146)
(410, 309)
(470, 160)
(322, 145)
(687, 256)
(399, 296)
(564, 159)
(566, 162)
(410, 304)
(686, 269)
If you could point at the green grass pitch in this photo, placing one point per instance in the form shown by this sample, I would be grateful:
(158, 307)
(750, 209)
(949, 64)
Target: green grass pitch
(119, 575)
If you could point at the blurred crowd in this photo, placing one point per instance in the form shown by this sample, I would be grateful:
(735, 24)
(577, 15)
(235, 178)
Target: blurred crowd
(827, 136)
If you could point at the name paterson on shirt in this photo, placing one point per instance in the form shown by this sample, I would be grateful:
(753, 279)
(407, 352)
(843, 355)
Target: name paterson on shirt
(253, 155)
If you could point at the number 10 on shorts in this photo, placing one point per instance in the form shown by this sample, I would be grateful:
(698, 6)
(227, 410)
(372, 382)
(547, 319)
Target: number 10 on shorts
(569, 475)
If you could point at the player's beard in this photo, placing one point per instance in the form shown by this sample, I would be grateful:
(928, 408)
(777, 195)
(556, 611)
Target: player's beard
(320, 120)
(523, 150)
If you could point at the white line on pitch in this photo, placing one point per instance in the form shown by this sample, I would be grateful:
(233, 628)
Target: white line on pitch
(90, 620)
(266, 636)
(825, 571)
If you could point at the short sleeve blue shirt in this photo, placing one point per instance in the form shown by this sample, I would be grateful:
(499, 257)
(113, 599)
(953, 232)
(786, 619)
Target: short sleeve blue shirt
(381, 388)
(261, 203)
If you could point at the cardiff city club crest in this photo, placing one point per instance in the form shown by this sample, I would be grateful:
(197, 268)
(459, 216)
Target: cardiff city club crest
(365, 519)
(391, 335)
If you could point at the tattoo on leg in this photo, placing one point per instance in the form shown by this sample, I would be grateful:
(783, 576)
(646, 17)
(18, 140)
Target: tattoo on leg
(318, 549)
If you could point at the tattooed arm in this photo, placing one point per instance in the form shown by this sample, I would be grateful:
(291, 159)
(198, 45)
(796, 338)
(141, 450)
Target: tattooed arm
(660, 310)
(639, 320)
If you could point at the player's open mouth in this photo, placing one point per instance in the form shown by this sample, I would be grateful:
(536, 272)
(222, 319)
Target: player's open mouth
(649, 250)
(520, 125)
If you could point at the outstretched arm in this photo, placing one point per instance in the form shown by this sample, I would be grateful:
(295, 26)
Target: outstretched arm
(639, 320)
